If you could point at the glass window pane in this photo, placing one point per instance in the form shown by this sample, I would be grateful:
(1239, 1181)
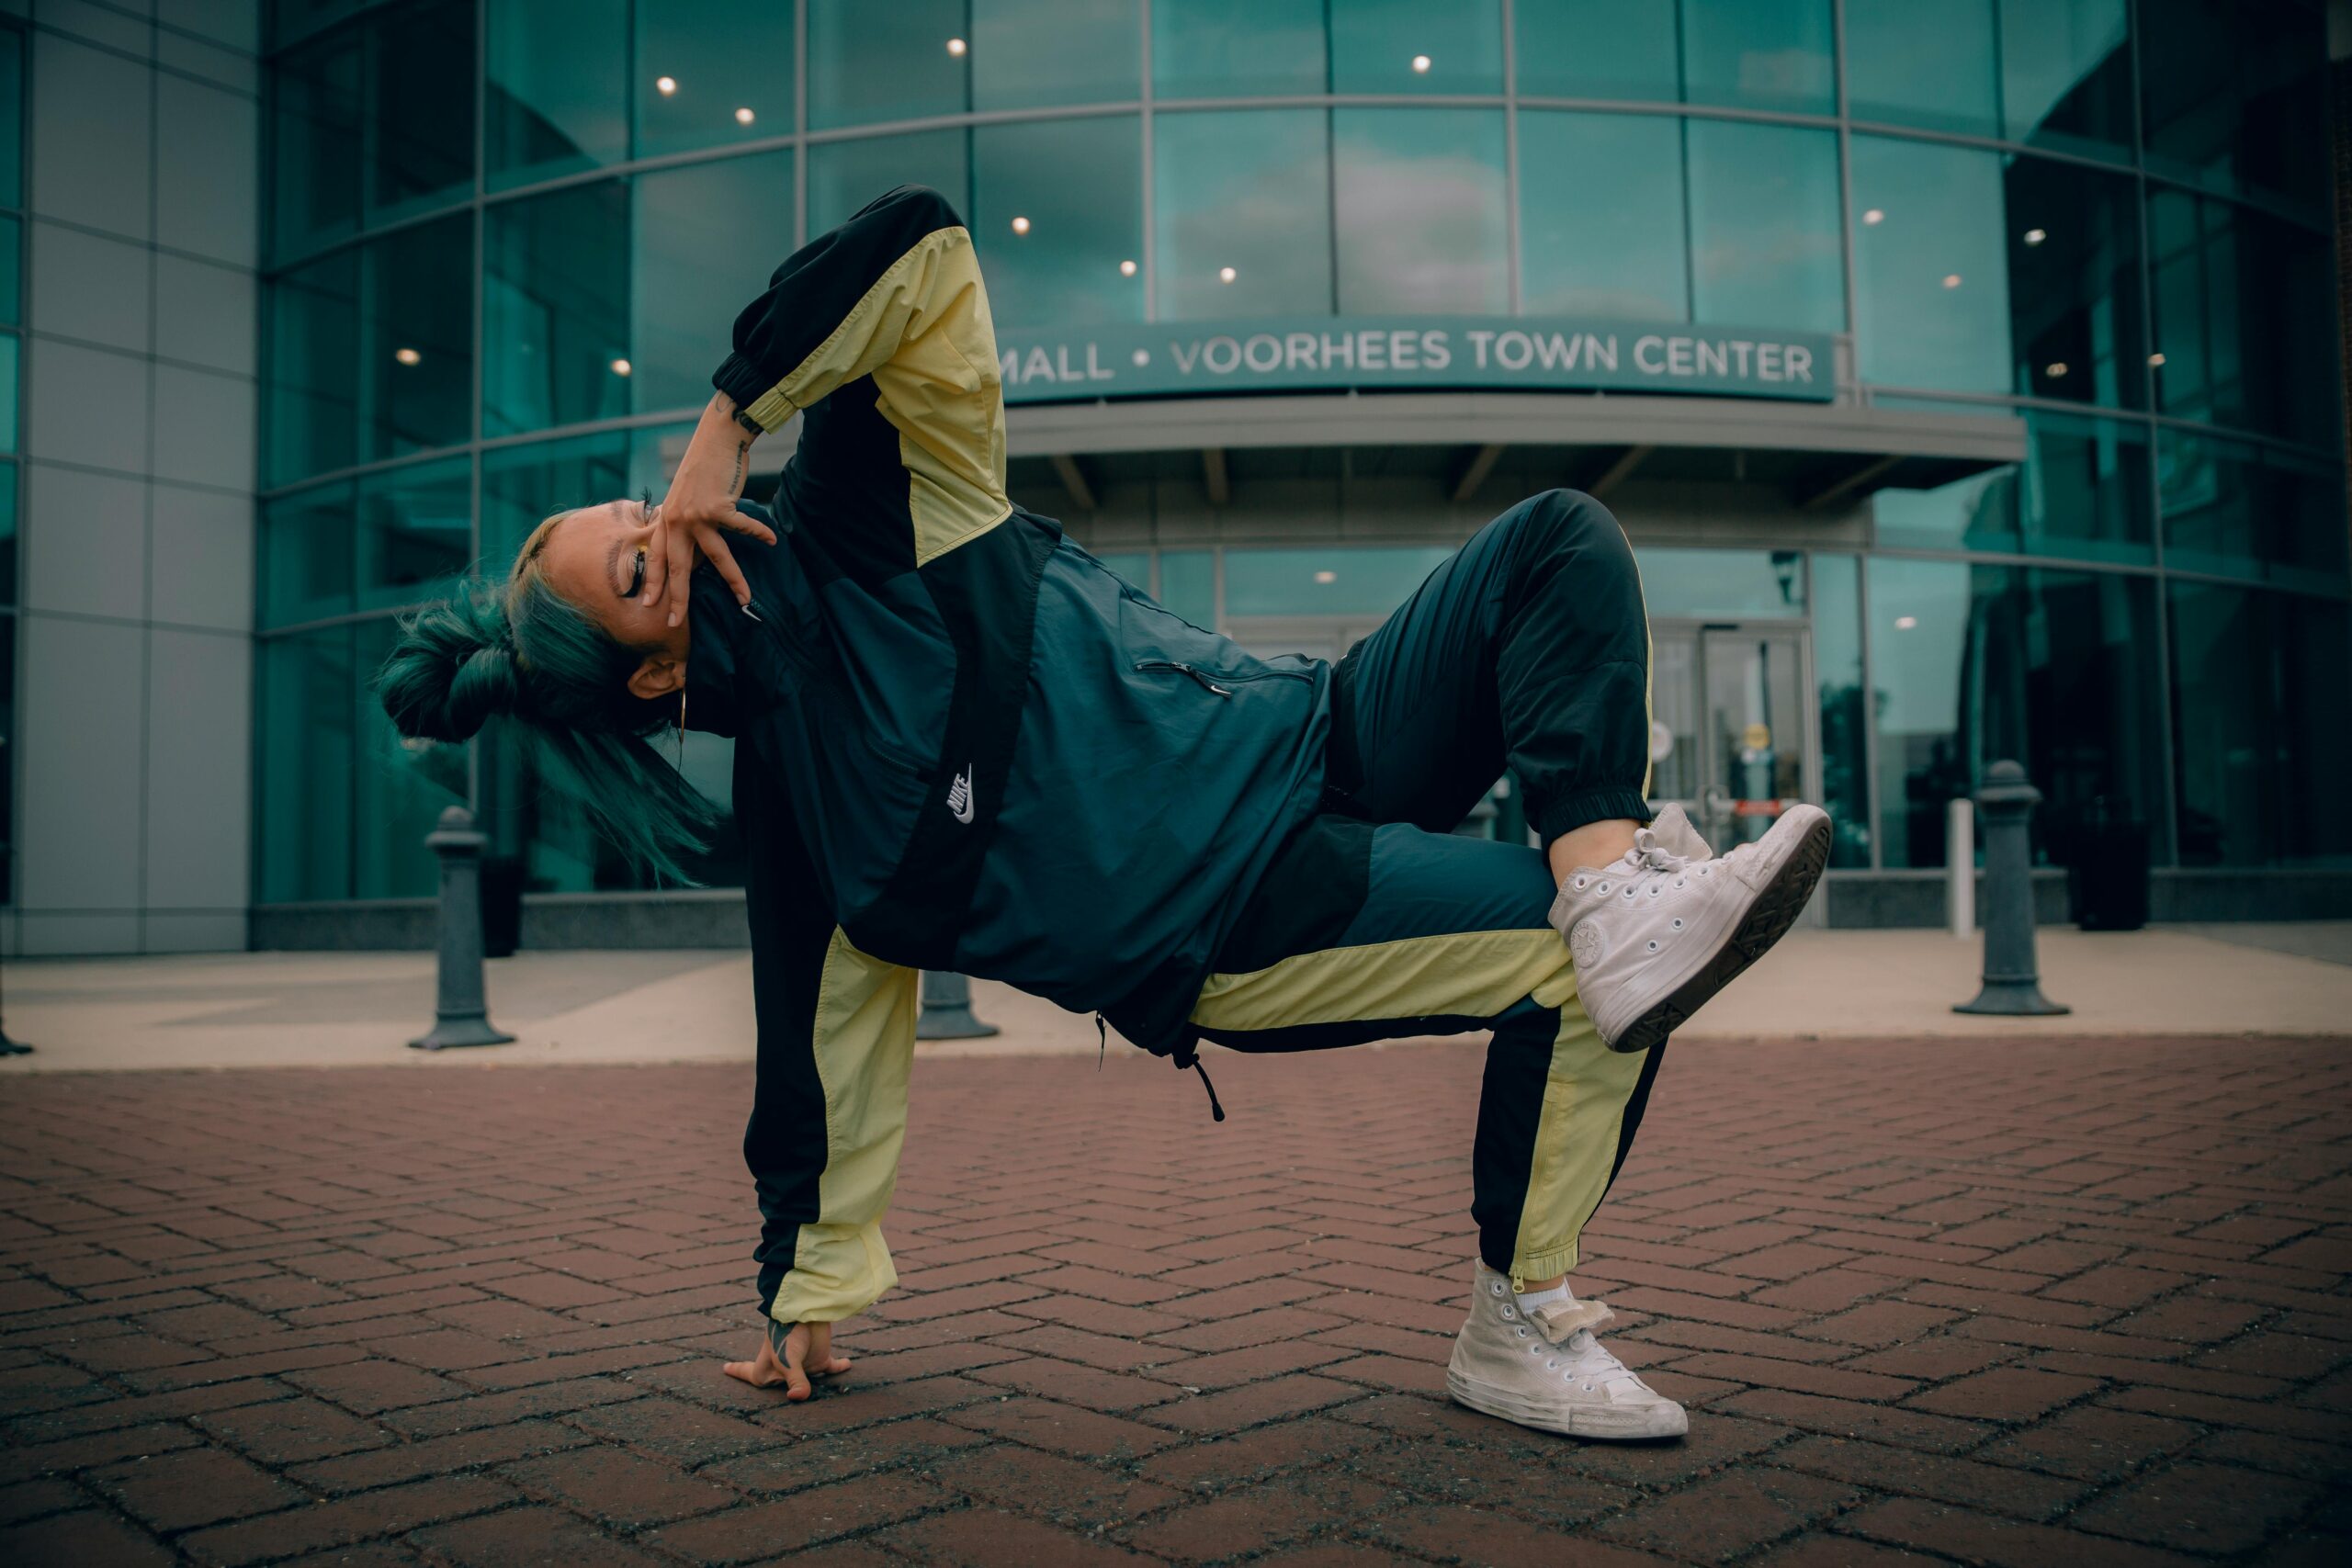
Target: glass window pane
(1225, 49)
(705, 239)
(11, 380)
(1931, 283)
(555, 309)
(12, 252)
(2085, 491)
(1975, 664)
(415, 535)
(399, 790)
(868, 63)
(710, 72)
(1328, 580)
(1244, 225)
(2235, 292)
(312, 409)
(1036, 53)
(2236, 96)
(1419, 220)
(522, 486)
(1765, 245)
(1411, 46)
(1978, 513)
(314, 140)
(2236, 510)
(1596, 49)
(1601, 215)
(307, 556)
(7, 554)
(1188, 585)
(1930, 65)
(2260, 748)
(1076, 183)
(844, 175)
(1705, 583)
(1844, 713)
(423, 93)
(418, 298)
(558, 88)
(2066, 75)
(305, 812)
(1763, 54)
(2074, 310)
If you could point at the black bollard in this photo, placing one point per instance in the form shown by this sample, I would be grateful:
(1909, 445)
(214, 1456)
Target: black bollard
(460, 1009)
(7, 1046)
(948, 1009)
(2012, 979)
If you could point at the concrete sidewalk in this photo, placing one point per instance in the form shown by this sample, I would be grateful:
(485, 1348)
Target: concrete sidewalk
(355, 1010)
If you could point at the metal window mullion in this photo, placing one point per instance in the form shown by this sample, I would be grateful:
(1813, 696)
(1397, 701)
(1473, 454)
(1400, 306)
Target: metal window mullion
(1149, 261)
(1510, 160)
(2168, 782)
(1870, 703)
(799, 123)
(1846, 180)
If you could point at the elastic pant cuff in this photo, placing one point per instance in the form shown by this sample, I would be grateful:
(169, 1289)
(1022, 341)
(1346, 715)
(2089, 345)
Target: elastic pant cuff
(1544, 1265)
(1554, 819)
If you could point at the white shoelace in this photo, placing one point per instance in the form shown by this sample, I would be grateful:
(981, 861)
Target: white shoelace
(1649, 854)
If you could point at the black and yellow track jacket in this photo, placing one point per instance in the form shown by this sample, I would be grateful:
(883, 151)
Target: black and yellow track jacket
(962, 743)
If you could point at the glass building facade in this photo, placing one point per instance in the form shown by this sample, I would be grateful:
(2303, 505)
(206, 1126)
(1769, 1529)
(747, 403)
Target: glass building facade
(506, 238)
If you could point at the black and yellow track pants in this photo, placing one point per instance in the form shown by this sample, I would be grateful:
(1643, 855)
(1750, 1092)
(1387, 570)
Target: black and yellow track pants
(1527, 650)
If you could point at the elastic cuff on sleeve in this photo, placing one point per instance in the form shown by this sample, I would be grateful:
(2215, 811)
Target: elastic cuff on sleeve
(754, 391)
(1555, 817)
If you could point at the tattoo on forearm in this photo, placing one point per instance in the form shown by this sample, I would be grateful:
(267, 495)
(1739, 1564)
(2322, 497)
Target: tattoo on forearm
(743, 460)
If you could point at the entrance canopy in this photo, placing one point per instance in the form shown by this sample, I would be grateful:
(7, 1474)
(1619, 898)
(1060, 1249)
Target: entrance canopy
(1819, 453)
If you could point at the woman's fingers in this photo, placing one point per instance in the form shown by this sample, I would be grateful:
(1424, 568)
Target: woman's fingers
(678, 550)
(796, 1349)
(745, 522)
(714, 547)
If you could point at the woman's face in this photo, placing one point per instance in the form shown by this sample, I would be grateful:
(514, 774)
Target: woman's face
(595, 561)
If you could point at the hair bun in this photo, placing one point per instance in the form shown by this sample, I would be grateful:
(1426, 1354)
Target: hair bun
(452, 668)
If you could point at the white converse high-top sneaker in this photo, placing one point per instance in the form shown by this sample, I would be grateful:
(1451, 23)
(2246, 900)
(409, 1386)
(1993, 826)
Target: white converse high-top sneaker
(1662, 929)
(1543, 1369)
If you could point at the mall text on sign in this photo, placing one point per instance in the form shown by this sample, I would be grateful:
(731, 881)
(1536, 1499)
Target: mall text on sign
(1507, 353)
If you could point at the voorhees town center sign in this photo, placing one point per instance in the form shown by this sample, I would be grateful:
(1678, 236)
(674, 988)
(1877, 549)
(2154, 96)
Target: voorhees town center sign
(1511, 353)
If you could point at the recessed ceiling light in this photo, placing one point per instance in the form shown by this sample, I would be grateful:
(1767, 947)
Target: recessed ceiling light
(2056, 369)
(2155, 359)
(1021, 225)
(665, 86)
(1226, 275)
(622, 368)
(744, 117)
(1952, 280)
(1327, 577)
(407, 356)
(1421, 64)
(1905, 623)
(956, 46)
(2035, 236)
(1873, 216)
(1127, 269)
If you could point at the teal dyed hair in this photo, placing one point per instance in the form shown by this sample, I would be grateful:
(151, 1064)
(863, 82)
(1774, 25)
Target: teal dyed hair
(521, 650)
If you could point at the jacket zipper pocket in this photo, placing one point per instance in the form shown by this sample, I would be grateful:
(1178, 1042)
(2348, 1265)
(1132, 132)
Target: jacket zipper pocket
(1206, 682)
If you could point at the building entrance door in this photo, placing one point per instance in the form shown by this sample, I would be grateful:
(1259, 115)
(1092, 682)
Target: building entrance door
(1731, 741)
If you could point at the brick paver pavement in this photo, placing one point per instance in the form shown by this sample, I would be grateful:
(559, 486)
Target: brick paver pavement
(2065, 1302)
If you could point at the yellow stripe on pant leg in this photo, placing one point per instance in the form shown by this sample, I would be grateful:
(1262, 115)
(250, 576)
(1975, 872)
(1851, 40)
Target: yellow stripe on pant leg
(1462, 974)
(864, 1040)
(1576, 1144)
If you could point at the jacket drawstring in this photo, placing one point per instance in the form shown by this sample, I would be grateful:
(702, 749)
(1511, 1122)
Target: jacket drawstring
(1190, 1056)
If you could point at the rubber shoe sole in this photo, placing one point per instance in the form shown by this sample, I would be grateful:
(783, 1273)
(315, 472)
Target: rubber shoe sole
(1599, 1423)
(1768, 920)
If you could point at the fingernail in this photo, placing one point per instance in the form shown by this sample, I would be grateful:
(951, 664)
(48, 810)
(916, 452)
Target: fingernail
(673, 617)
